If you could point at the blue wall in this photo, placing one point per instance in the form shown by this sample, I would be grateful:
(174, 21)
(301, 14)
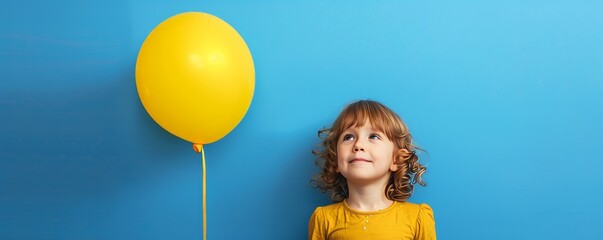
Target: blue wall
(506, 97)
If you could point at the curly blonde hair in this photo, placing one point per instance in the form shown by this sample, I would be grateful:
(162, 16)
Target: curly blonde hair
(401, 182)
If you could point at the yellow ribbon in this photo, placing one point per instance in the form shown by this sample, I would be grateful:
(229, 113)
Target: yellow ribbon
(199, 148)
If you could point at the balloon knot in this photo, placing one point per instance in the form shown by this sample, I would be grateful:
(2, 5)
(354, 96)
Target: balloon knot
(197, 147)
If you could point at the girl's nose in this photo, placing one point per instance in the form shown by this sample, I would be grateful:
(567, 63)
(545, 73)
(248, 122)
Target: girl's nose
(356, 149)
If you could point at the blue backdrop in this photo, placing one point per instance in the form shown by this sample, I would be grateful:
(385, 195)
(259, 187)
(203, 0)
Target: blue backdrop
(506, 97)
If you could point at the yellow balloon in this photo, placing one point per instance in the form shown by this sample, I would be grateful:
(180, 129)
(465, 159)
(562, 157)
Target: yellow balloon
(195, 76)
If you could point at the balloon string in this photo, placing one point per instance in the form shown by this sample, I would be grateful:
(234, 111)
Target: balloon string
(204, 196)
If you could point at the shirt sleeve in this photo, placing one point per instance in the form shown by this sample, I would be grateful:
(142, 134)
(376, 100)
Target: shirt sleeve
(316, 228)
(425, 229)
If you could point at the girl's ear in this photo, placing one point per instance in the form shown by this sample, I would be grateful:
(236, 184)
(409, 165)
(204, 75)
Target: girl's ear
(404, 154)
(401, 156)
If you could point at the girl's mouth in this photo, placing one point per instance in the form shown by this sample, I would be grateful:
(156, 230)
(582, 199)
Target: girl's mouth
(359, 160)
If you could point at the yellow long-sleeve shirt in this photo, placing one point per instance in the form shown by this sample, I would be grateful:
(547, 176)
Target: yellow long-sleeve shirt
(401, 220)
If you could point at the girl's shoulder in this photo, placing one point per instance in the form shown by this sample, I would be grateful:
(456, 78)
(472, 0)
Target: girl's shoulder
(415, 212)
(414, 206)
(421, 216)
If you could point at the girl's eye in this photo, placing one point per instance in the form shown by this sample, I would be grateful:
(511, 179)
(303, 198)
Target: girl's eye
(375, 136)
(348, 137)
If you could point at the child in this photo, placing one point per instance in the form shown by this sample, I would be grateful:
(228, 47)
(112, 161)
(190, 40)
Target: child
(369, 164)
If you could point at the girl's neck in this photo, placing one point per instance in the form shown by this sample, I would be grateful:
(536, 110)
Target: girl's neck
(368, 198)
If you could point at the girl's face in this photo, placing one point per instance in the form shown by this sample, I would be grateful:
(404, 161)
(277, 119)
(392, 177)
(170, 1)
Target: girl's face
(365, 155)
